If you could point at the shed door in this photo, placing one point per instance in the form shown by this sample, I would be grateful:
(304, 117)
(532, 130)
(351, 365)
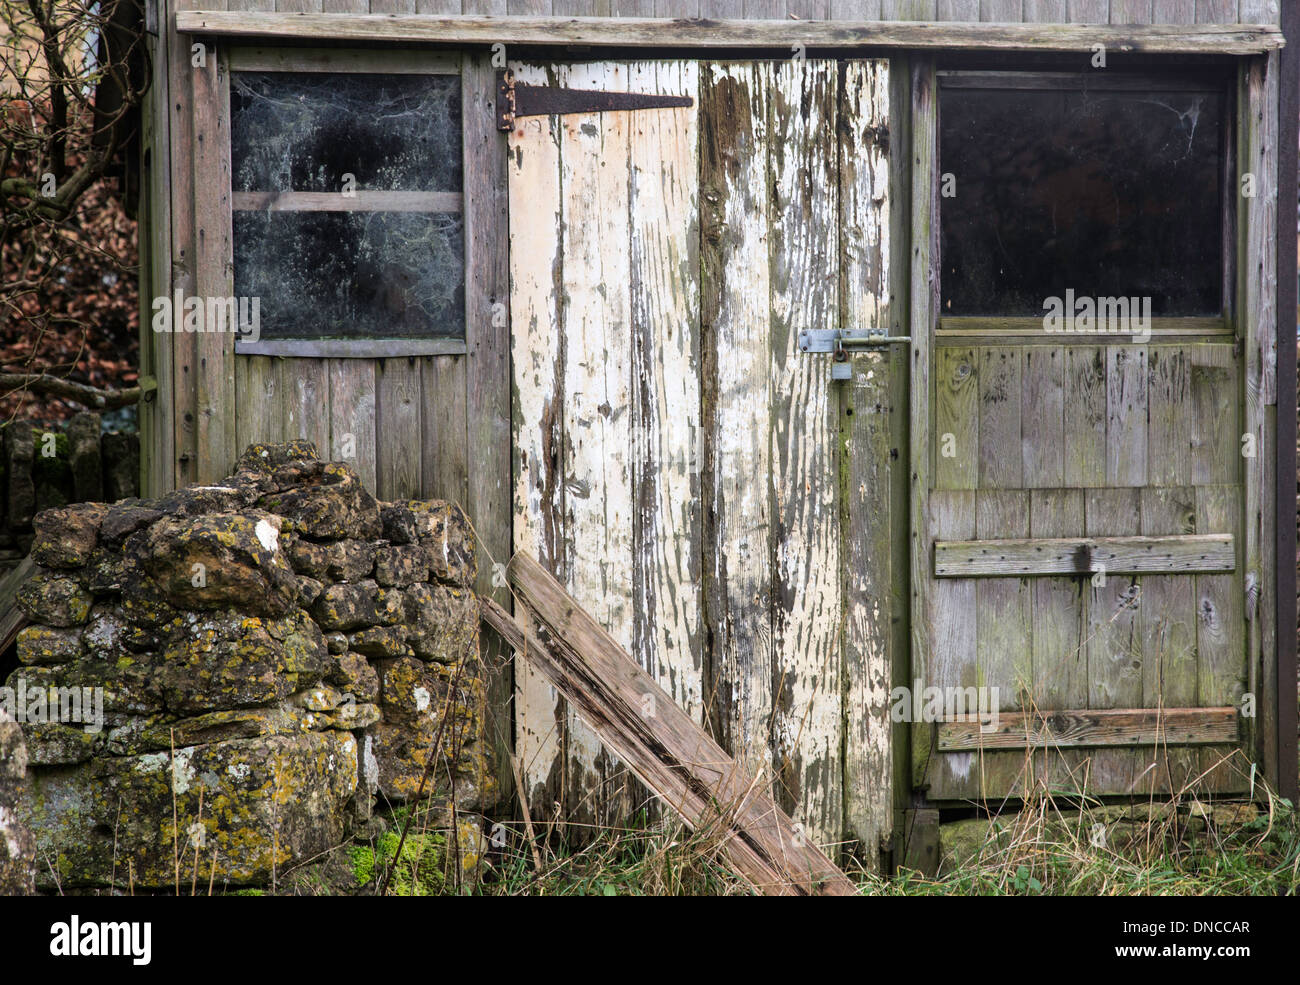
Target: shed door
(1083, 530)
(677, 460)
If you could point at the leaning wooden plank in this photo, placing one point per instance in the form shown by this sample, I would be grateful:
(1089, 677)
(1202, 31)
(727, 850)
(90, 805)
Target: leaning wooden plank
(1087, 728)
(12, 618)
(1219, 39)
(1181, 555)
(658, 740)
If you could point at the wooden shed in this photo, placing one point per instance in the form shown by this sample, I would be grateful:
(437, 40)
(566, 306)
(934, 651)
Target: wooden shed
(844, 358)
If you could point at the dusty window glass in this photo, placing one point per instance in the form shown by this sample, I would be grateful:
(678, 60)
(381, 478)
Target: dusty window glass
(1109, 193)
(351, 262)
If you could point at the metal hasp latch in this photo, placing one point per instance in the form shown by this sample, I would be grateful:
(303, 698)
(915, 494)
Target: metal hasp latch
(516, 99)
(838, 342)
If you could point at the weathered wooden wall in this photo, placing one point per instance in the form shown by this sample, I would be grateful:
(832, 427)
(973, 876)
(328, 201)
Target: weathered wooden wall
(1004, 11)
(678, 458)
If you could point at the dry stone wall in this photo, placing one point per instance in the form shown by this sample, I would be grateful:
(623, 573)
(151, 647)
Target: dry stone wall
(275, 655)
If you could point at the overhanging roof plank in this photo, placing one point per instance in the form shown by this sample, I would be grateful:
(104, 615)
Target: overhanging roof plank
(1221, 39)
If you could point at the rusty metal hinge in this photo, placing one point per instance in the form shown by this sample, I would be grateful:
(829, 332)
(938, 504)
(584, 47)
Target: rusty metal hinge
(516, 99)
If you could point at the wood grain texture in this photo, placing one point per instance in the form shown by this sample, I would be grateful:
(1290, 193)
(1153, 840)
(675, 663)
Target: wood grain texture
(1083, 555)
(1042, 417)
(1173, 12)
(904, 24)
(714, 781)
(1169, 417)
(444, 450)
(1003, 615)
(304, 401)
(352, 416)
(923, 308)
(1085, 416)
(215, 407)
(1060, 665)
(1215, 415)
(1094, 728)
(1046, 12)
(1126, 415)
(1114, 656)
(956, 419)
(536, 264)
(1000, 462)
(807, 603)
(871, 416)
(667, 429)
(597, 410)
(397, 420)
(736, 321)
(1167, 614)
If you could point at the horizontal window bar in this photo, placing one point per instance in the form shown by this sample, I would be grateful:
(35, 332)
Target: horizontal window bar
(361, 201)
(351, 348)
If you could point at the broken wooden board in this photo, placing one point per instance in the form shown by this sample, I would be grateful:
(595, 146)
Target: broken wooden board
(12, 618)
(637, 720)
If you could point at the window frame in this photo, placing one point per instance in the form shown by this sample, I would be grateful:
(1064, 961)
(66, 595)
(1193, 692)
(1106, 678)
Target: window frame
(360, 61)
(1027, 329)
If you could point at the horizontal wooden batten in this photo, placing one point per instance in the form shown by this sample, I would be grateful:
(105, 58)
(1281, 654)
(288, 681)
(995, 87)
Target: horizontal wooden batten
(1178, 555)
(1085, 728)
(351, 348)
(362, 201)
(1217, 39)
(1030, 330)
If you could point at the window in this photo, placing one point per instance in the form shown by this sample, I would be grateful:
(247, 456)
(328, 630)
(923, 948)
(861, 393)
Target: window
(1104, 185)
(347, 213)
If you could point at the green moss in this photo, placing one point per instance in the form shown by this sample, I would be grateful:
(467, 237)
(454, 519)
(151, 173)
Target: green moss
(418, 872)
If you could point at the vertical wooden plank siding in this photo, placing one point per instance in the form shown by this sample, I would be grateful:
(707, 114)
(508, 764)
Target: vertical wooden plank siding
(1089, 11)
(536, 263)
(1130, 11)
(487, 371)
(397, 421)
(444, 453)
(304, 394)
(1046, 12)
(1256, 294)
(667, 430)
(869, 417)
(1085, 403)
(1000, 462)
(1060, 665)
(1126, 415)
(351, 415)
(1000, 11)
(1216, 11)
(215, 380)
(184, 345)
(1167, 612)
(957, 419)
(923, 307)
(257, 388)
(1003, 606)
(1111, 643)
(806, 603)
(597, 386)
(1042, 416)
(737, 401)
(1173, 12)
(156, 421)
